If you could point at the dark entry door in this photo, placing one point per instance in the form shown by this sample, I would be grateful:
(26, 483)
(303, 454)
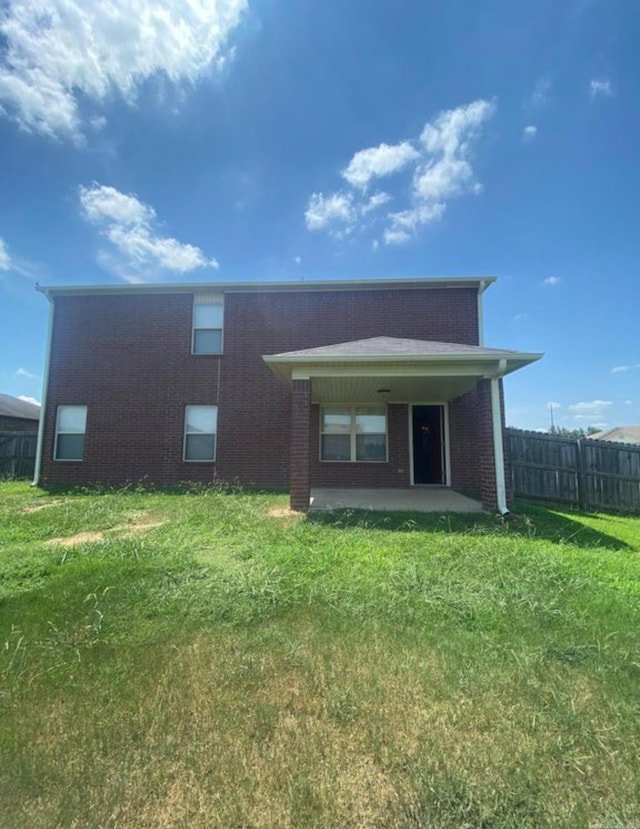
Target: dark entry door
(428, 445)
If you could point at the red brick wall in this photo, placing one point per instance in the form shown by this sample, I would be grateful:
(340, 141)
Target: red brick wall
(128, 358)
(464, 442)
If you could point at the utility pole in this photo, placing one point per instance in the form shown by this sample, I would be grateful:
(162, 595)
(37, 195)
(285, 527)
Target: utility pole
(553, 428)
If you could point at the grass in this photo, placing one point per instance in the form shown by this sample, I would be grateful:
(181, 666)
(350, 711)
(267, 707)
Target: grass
(204, 660)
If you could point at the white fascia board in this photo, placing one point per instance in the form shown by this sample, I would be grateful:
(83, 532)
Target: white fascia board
(510, 360)
(242, 287)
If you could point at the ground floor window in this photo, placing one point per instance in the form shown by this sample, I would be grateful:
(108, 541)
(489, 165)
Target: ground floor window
(71, 424)
(353, 433)
(200, 428)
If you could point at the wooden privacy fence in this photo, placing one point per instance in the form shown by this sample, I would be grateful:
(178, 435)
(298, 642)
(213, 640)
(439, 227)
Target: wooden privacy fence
(17, 454)
(581, 472)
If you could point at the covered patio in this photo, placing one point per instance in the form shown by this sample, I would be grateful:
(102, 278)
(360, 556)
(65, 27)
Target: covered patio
(380, 416)
(414, 499)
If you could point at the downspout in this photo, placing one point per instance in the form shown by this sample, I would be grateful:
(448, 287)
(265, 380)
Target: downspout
(45, 386)
(498, 448)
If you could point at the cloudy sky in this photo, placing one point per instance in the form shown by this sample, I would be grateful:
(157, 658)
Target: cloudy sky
(199, 140)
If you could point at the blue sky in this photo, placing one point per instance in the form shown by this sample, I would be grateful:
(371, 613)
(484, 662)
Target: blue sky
(255, 140)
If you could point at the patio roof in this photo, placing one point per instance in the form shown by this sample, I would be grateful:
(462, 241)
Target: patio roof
(400, 369)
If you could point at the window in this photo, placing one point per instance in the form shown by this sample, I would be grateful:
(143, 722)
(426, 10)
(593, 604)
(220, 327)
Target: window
(358, 433)
(71, 424)
(200, 426)
(207, 327)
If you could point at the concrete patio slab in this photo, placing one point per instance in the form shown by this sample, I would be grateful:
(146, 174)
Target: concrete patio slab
(416, 499)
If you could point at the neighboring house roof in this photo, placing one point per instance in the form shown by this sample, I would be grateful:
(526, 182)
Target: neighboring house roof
(619, 434)
(15, 407)
(478, 282)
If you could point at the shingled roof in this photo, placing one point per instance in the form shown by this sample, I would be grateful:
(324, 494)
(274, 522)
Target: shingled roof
(15, 407)
(396, 347)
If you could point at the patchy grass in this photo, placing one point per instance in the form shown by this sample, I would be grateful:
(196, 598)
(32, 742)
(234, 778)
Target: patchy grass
(207, 659)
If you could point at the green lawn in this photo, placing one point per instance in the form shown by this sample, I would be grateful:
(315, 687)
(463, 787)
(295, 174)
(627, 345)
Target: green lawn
(208, 660)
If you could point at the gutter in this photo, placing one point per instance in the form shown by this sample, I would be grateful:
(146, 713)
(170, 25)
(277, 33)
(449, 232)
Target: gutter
(265, 287)
(45, 388)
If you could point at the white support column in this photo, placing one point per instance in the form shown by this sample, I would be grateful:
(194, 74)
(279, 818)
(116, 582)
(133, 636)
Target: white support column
(498, 448)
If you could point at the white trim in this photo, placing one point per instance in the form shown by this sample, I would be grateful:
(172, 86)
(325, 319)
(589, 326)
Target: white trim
(58, 432)
(43, 401)
(498, 448)
(414, 282)
(351, 408)
(446, 449)
(185, 433)
(206, 299)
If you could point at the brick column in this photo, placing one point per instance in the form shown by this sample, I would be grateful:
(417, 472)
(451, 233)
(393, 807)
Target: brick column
(299, 475)
(484, 426)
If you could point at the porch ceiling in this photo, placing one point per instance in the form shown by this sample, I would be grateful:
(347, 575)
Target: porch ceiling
(389, 388)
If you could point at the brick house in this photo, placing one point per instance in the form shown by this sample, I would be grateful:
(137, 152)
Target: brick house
(364, 383)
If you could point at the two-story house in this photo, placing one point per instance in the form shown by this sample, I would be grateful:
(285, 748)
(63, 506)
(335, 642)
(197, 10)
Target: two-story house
(366, 383)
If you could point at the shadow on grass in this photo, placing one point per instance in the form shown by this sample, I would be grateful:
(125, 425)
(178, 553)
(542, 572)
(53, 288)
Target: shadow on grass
(528, 521)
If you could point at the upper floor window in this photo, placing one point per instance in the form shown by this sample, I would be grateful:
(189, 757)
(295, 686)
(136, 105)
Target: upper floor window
(71, 424)
(207, 327)
(356, 433)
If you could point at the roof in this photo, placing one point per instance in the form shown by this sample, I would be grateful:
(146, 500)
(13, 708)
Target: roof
(15, 407)
(388, 356)
(619, 434)
(478, 282)
(396, 347)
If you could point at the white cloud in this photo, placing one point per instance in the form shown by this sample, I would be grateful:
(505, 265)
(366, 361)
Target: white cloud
(63, 52)
(591, 407)
(520, 317)
(376, 201)
(5, 261)
(551, 280)
(529, 132)
(379, 161)
(328, 211)
(297, 260)
(622, 369)
(28, 399)
(403, 225)
(22, 372)
(628, 402)
(129, 224)
(451, 131)
(540, 94)
(553, 405)
(600, 88)
(442, 170)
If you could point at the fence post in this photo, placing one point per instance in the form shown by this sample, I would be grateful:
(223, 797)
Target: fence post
(583, 498)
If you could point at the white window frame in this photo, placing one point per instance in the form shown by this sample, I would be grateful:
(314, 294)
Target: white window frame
(351, 410)
(186, 433)
(68, 432)
(205, 301)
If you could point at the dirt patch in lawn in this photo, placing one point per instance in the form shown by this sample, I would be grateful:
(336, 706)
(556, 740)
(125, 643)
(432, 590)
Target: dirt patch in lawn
(139, 522)
(38, 507)
(283, 512)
